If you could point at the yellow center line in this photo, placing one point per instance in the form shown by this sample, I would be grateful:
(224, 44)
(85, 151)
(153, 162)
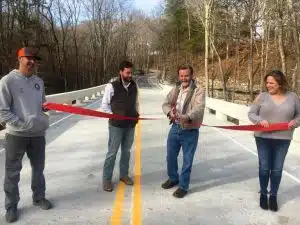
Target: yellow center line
(118, 205)
(137, 194)
(116, 217)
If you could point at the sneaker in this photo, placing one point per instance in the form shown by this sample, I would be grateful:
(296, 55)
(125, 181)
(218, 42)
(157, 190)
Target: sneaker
(169, 184)
(179, 193)
(107, 186)
(11, 214)
(263, 202)
(273, 203)
(127, 180)
(43, 204)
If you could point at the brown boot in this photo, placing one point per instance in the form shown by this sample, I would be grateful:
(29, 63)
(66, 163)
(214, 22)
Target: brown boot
(127, 180)
(107, 186)
(169, 184)
(179, 193)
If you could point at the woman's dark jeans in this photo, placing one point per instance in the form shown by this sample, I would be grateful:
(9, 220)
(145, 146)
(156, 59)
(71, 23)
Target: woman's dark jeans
(271, 155)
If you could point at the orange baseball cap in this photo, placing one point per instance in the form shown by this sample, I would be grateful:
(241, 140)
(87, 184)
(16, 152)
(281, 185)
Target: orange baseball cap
(29, 51)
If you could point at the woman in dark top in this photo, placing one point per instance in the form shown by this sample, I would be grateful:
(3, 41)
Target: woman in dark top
(275, 105)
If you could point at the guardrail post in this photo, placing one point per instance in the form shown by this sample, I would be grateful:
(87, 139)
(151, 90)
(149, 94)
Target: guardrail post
(296, 136)
(221, 116)
(68, 102)
(48, 113)
(207, 110)
(78, 101)
(242, 122)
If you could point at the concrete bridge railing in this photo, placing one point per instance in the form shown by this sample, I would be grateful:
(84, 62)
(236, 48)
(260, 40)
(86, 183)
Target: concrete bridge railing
(229, 111)
(76, 97)
(223, 110)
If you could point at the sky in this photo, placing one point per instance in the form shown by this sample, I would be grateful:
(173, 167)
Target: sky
(146, 5)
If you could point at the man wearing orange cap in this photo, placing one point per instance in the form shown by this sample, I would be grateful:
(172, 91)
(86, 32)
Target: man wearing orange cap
(22, 95)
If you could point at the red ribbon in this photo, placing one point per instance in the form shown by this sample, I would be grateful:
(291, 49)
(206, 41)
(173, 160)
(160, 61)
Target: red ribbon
(90, 112)
(255, 127)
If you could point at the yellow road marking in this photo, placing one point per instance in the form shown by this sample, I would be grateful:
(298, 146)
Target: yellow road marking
(137, 195)
(116, 217)
(118, 205)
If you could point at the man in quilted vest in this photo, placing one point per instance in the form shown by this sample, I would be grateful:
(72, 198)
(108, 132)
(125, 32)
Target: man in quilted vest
(120, 98)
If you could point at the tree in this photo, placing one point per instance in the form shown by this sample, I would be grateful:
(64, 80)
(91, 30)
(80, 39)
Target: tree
(203, 10)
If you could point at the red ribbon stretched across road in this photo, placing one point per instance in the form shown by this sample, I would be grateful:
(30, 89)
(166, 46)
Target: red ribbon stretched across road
(255, 127)
(90, 112)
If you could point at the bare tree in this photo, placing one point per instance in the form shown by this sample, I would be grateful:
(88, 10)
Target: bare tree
(202, 10)
(280, 8)
(294, 25)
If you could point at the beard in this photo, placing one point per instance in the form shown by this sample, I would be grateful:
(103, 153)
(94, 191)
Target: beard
(126, 79)
(185, 83)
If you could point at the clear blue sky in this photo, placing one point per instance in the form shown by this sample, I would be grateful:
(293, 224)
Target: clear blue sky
(146, 5)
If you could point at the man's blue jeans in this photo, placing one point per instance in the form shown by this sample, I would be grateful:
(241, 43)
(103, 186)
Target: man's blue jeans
(118, 136)
(271, 155)
(188, 140)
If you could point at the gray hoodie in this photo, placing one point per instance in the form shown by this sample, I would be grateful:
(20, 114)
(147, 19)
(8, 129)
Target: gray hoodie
(21, 100)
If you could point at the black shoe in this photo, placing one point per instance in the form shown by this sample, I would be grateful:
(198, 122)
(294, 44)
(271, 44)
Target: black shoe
(11, 214)
(43, 204)
(169, 184)
(179, 193)
(273, 203)
(263, 202)
(107, 186)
